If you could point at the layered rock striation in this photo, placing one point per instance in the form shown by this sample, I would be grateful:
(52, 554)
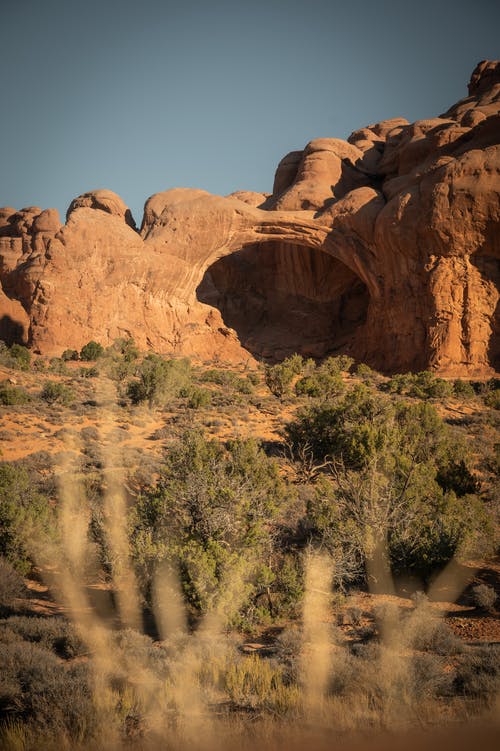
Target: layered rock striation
(385, 246)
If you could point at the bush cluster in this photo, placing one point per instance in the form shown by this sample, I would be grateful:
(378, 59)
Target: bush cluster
(16, 356)
(26, 517)
(398, 480)
(423, 385)
(56, 392)
(11, 395)
(210, 516)
(159, 380)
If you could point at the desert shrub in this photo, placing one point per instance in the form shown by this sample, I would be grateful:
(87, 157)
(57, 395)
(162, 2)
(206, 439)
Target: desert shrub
(116, 367)
(219, 377)
(423, 385)
(11, 586)
(288, 646)
(209, 516)
(288, 584)
(351, 428)
(393, 481)
(253, 378)
(40, 365)
(492, 399)
(119, 361)
(364, 371)
(25, 517)
(69, 354)
(463, 389)
(18, 357)
(127, 348)
(323, 382)
(91, 351)
(11, 395)
(484, 596)
(91, 372)
(279, 377)
(430, 634)
(197, 398)
(428, 677)
(363, 424)
(58, 366)
(289, 642)
(36, 688)
(456, 476)
(478, 672)
(343, 363)
(55, 392)
(52, 633)
(159, 380)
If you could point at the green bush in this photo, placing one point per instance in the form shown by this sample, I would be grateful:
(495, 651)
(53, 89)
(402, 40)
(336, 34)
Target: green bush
(338, 364)
(50, 697)
(463, 389)
(456, 476)
(11, 395)
(69, 354)
(21, 355)
(40, 365)
(16, 357)
(279, 377)
(198, 398)
(423, 385)
(55, 392)
(228, 378)
(352, 428)
(159, 380)
(25, 517)
(325, 382)
(91, 351)
(492, 399)
(253, 378)
(219, 377)
(52, 633)
(364, 371)
(396, 478)
(209, 516)
(58, 366)
(127, 348)
(91, 372)
(11, 586)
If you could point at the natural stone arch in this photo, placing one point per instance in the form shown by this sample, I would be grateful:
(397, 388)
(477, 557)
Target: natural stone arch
(283, 297)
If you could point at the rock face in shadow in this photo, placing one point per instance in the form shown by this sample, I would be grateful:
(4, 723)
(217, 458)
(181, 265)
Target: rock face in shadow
(385, 246)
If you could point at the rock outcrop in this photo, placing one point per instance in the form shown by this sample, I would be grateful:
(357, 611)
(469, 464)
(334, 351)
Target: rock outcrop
(385, 246)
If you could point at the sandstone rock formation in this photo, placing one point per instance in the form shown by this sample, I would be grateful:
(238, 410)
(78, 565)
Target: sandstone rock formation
(385, 246)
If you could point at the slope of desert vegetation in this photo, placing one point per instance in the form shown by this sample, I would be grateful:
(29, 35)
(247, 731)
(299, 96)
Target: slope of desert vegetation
(197, 556)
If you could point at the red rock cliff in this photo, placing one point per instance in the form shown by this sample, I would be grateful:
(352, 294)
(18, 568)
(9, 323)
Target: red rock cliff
(386, 246)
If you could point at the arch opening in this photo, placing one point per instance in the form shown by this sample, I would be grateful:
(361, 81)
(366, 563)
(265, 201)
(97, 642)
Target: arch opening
(282, 298)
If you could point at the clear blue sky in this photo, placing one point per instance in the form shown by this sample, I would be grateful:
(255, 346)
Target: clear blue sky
(141, 96)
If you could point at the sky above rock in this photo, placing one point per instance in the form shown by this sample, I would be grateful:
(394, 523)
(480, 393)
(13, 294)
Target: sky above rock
(139, 97)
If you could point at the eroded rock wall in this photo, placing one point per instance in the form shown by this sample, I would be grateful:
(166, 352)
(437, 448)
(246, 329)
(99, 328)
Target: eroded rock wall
(386, 246)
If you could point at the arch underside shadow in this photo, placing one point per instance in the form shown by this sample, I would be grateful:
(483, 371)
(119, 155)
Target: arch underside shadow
(283, 298)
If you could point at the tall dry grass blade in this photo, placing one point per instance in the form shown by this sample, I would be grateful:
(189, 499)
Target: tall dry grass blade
(317, 643)
(451, 581)
(115, 510)
(168, 603)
